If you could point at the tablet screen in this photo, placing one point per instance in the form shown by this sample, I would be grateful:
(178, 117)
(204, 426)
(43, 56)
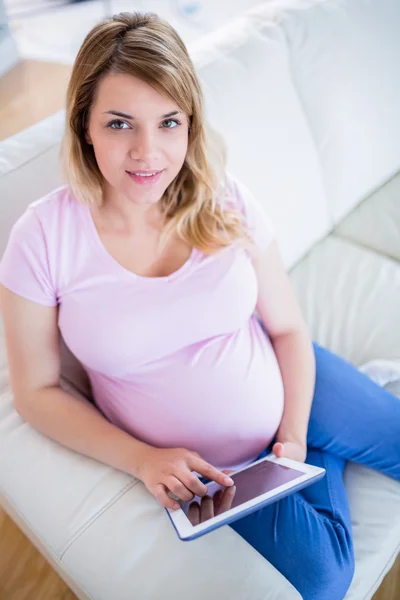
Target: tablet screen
(253, 481)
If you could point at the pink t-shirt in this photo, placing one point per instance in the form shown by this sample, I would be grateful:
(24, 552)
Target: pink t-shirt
(177, 361)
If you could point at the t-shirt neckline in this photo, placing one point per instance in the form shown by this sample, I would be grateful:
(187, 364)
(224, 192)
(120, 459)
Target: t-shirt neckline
(118, 268)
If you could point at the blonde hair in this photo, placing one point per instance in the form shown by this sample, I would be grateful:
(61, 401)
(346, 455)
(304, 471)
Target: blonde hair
(148, 47)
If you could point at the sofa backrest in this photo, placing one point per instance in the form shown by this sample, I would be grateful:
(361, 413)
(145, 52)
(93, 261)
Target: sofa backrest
(29, 169)
(251, 99)
(345, 64)
(306, 95)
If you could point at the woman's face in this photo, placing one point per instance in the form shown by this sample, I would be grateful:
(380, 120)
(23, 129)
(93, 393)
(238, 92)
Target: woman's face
(134, 129)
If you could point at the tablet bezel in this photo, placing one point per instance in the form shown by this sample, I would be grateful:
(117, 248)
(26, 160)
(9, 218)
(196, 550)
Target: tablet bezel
(187, 531)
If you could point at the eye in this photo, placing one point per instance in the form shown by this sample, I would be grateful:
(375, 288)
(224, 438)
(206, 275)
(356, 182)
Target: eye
(117, 122)
(177, 123)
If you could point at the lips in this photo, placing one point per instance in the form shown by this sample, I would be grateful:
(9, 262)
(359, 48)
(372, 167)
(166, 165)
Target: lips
(146, 180)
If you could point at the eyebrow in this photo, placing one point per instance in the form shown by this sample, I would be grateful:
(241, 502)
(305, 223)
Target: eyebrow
(125, 116)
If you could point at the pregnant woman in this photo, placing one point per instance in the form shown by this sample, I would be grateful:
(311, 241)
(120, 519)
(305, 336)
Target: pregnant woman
(162, 272)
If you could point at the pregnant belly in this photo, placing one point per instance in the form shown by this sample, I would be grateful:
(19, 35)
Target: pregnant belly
(222, 397)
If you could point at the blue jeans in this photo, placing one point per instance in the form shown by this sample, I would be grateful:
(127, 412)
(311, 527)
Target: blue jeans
(307, 535)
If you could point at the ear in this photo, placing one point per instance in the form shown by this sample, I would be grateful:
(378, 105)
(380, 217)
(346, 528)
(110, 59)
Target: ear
(88, 138)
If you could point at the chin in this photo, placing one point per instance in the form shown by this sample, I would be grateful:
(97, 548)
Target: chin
(142, 198)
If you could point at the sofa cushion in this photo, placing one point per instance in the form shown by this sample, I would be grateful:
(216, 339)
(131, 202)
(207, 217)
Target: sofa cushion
(374, 502)
(55, 490)
(376, 222)
(245, 72)
(29, 169)
(350, 298)
(25, 146)
(344, 58)
(131, 550)
(69, 507)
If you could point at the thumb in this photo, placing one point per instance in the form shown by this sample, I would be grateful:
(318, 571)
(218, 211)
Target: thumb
(278, 449)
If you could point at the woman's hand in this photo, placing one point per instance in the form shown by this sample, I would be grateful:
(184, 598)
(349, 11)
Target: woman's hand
(293, 450)
(211, 507)
(165, 470)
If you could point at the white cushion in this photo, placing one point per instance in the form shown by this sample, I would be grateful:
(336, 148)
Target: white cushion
(374, 502)
(57, 491)
(376, 222)
(345, 60)
(131, 551)
(26, 145)
(350, 298)
(107, 536)
(245, 73)
(29, 169)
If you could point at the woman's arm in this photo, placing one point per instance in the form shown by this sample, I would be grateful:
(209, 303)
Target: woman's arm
(281, 314)
(32, 340)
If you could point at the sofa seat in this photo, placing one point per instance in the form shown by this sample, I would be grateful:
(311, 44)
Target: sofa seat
(107, 536)
(350, 297)
(376, 222)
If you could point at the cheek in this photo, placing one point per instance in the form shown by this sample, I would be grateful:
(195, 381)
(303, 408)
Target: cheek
(108, 152)
(176, 150)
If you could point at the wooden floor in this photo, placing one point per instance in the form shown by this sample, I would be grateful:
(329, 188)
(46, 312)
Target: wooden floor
(30, 92)
(24, 573)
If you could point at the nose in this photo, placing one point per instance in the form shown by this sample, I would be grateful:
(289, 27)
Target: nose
(144, 147)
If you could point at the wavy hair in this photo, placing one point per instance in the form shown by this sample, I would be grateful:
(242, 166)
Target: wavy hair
(197, 201)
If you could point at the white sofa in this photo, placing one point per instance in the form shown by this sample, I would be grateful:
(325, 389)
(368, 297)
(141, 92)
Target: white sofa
(307, 95)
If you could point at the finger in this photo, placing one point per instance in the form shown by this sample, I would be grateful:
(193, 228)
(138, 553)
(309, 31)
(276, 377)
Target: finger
(227, 499)
(194, 513)
(217, 499)
(278, 449)
(206, 509)
(160, 493)
(193, 483)
(210, 472)
(227, 471)
(178, 488)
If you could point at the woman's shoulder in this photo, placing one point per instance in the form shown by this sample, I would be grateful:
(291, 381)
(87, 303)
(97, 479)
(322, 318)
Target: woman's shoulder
(59, 203)
(29, 265)
(235, 191)
(41, 249)
(48, 220)
(235, 194)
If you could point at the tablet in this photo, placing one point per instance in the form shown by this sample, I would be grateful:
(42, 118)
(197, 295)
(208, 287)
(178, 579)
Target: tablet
(262, 482)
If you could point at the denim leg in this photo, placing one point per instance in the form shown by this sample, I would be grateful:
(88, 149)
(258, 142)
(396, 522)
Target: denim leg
(353, 417)
(307, 535)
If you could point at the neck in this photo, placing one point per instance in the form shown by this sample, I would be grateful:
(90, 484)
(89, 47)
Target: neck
(124, 215)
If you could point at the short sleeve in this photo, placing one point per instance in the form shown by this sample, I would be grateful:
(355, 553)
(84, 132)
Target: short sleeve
(24, 267)
(260, 227)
